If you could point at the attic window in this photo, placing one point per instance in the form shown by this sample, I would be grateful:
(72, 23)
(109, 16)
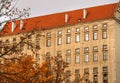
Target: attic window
(23, 28)
(78, 20)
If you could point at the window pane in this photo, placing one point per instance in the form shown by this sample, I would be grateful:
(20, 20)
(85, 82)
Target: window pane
(59, 32)
(68, 40)
(48, 42)
(86, 49)
(77, 59)
(86, 36)
(59, 41)
(104, 55)
(95, 48)
(95, 56)
(48, 56)
(77, 38)
(77, 29)
(37, 56)
(95, 35)
(68, 30)
(86, 58)
(104, 34)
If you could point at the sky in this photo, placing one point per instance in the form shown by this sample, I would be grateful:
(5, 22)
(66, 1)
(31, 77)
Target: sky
(45, 7)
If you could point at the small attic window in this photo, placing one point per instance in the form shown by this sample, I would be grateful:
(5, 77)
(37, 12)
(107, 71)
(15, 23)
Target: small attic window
(23, 28)
(78, 20)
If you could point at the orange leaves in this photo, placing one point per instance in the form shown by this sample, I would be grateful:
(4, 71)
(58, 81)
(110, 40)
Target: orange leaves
(25, 70)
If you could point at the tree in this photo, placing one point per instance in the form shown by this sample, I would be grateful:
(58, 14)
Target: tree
(25, 69)
(9, 12)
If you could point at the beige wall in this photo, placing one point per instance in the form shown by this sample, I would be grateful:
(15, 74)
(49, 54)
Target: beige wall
(99, 42)
(117, 51)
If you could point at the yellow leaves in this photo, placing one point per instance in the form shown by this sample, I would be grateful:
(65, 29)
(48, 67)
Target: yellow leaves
(25, 70)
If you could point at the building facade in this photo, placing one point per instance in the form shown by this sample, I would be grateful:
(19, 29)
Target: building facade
(87, 39)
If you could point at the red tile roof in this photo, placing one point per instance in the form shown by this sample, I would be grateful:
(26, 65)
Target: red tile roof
(57, 20)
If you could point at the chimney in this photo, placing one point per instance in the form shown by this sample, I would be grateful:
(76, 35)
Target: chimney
(66, 18)
(21, 24)
(13, 26)
(84, 13)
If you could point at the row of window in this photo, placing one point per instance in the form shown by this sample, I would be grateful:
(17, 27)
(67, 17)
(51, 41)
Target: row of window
(68, 36)
(77, 35)
(86, 72)
(86, 54)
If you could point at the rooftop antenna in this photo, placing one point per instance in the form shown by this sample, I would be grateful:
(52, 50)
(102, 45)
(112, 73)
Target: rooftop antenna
(13, 26)
(66, 18)
(84, 13)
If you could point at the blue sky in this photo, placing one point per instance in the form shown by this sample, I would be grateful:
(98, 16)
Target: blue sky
(45, 7)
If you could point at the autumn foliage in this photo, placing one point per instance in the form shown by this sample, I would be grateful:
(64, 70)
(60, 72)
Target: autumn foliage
(26, 70)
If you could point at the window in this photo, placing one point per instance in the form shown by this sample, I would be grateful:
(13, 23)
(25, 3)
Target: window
(77, 51)
(59, 32)
(77, 37)
(86, 28)
(95, 27)
(48, 42)
(59, 53)
(37, 36)
(77, 59)
(104, 31)
(104, 52)
(68, 30)
(77, 75)
(68, 56)
(14, 42)
(105, 74)
(37, 56)
(48, 56)
(59, 40)
(77, 55)
(95, 48)
(104, 47)
(29, 45)
(68, 59)
(38, 41)
(95, 56)
(48, 39)
(86, 72)
(104, 34)
(37, 44)
(86, 36)
(104, 26)
(48, 34)
(86, 57)
(21, 46)
(104, 55)
(95, 70)
(95, 75)
(77, 29)
(86, 49)
(68, 76)
(68, 52)
(68, 39)
(95, 35)
(95, 53)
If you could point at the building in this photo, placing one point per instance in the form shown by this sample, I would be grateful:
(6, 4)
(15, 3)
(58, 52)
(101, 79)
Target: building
(88, 39)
